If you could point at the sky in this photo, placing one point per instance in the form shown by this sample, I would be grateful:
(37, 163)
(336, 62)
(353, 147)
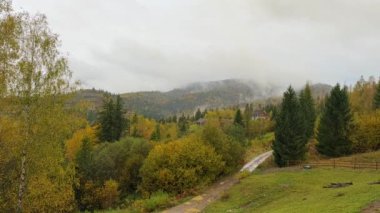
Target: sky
(135, 45)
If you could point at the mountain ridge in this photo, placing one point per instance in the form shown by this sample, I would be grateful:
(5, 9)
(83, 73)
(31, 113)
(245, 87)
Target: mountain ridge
(213, 94)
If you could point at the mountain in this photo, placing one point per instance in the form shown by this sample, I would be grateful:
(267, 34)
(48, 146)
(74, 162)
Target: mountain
(215, 94)
(320, 90)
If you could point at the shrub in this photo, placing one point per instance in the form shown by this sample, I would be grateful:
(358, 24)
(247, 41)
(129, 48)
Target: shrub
(157, 200)
(230, 150)
(179, 166)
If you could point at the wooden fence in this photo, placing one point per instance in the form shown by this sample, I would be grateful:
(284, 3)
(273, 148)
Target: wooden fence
(337, 164)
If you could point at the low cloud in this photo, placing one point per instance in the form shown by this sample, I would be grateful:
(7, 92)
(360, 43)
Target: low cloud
(159, 45)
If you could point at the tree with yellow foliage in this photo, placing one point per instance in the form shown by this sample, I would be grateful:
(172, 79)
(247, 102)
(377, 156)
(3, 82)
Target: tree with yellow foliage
(180, 165)
(362, 95)
(35, 81)
(74, 144)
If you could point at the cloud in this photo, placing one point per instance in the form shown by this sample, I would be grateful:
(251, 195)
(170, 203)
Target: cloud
(158, 45)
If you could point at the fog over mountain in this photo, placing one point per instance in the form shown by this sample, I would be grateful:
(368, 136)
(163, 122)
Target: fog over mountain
(124, 46)
(203, 95)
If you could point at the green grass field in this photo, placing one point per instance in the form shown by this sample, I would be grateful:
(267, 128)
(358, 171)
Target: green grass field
(294, 190)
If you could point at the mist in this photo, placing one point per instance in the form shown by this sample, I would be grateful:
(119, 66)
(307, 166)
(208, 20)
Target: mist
(135, 45)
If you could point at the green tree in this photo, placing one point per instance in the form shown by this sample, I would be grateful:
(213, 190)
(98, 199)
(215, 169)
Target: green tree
(335, 125)
(289, 144)
(85, 189)
(198, 114)
(84, 159)
(238, 120)
(183, 125)
(156, 135)
(307, 107)
(111, 119)
(230, 150)
(119, 121)
(376, 101)
(106, 119)
(248, 112)
(238, 133)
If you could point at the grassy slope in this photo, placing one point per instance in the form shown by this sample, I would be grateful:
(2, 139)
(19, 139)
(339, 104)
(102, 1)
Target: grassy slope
(300, 191)
(364, 157)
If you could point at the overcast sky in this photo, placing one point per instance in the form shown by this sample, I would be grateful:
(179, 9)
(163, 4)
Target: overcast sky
(132, 45)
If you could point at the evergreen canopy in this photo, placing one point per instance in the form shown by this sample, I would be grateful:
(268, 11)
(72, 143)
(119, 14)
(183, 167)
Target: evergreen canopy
(376, 101)
(335, 125)
(290, 140)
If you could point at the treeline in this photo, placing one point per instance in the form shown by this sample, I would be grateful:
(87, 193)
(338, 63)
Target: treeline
(348, 122)
(156, 159)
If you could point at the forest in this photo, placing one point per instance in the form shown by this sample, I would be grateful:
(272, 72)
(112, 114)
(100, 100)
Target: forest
(53, 159)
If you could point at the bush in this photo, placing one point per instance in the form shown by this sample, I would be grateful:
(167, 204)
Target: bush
(230, 150)
(179, 166)
(243, 174)
(157, 200)
(120, 161)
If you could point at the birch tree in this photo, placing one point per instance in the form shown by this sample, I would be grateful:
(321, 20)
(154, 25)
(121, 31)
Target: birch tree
(35, 82)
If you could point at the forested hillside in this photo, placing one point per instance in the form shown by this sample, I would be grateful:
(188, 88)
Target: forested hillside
(216, 94)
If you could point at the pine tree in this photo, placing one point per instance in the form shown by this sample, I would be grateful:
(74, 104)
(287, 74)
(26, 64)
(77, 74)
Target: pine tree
(156, 135)
(84, 159)
(106, 120)
(376, 101)
(198, 114)
(112, 122)
(182, 125)
(118, 119)
(248, 112)
(84, 172)
(289, 144)
(307, 107)
(335, 125)
(238, 120)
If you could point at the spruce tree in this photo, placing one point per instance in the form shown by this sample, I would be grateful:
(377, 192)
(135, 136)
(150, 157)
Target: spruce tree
(198, 114)
(289, 144)
(83, 172)
(112, 122)
(118, 119)
(248, 112)
(156, 135)
(307, 107)
(376, 101)
(182, 125)
(106, 120)
(335, 125)
(84, 159)
(238, 120)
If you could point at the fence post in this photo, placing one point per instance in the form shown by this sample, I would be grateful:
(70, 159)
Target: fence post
(376, 165)
(334, 163)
